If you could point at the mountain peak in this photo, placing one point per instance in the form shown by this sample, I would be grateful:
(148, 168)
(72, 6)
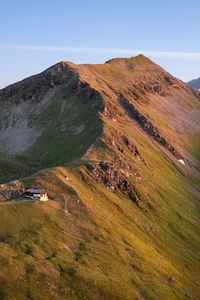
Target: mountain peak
(125, 136)
(139, 62)
(195, 83)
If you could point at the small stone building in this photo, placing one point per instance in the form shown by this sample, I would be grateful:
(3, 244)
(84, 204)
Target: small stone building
(8, 194)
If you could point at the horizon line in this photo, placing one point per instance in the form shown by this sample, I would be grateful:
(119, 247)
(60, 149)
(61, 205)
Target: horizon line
(86, 50)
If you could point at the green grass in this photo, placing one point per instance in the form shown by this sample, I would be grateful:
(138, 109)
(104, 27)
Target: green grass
(55, 147)
(88, 242)
(105, 247)
(11, 170)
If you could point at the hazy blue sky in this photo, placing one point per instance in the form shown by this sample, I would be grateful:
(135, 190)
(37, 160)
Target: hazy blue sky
(35, 34)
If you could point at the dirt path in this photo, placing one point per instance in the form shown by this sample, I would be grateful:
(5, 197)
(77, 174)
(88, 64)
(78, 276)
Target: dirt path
(17, 201)
(88, 150)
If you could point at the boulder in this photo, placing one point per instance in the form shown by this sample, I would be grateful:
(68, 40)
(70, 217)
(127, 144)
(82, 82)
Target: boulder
(187, 294)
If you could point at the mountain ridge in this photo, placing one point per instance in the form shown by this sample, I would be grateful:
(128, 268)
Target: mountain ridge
(123, 212)
(195, 83)
(129, 87)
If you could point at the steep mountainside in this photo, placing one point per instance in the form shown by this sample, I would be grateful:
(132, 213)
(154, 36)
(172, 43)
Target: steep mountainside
(195, 83)
(120, 146)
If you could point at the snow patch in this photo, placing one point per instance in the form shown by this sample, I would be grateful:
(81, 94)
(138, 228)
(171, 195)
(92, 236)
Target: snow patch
(182, 161)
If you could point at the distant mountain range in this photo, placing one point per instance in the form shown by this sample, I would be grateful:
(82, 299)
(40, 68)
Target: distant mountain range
(195, 83)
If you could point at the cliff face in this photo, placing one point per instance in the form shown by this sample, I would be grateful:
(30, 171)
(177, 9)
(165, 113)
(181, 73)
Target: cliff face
(123, 214)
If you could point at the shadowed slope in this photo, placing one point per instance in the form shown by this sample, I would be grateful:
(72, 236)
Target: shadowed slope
(125, 218)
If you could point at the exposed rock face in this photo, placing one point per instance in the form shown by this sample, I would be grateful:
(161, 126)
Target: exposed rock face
(10, 194)
(35, 87)
(113, 179)
(130, 145)
(12, 190)
(146, 125)
(87, 94)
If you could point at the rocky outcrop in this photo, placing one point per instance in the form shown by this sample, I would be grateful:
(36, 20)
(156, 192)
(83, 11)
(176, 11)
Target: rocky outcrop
(12, 190)
(10, 194)
(36, 87)
(88, 94)
(146, 125)
(107, 174)
(125, 142)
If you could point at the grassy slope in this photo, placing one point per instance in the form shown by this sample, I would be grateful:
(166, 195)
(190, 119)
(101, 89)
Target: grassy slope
(11, 169)
(55, 147)
(105, 247)
(68, 130)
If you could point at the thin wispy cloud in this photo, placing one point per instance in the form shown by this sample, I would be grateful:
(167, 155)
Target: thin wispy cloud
(82, 50)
